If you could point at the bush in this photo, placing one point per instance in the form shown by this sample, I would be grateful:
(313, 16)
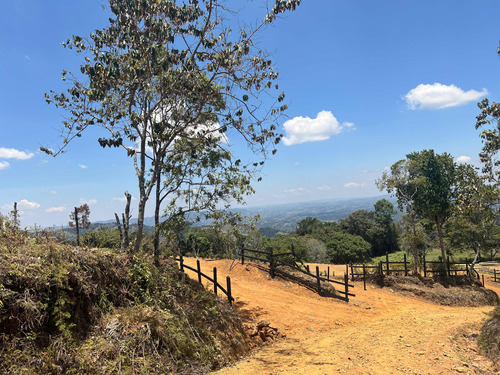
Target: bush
(346, 248)
(102, 238)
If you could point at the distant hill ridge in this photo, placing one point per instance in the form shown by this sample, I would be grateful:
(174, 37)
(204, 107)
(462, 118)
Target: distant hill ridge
(284, 217)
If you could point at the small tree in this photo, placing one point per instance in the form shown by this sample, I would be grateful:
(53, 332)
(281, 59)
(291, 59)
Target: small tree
(124, 238)
(80, 220)
(14, 214)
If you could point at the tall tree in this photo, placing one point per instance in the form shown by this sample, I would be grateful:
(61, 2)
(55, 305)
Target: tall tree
(398, 182)
(165, 80)
(475, 222)
(435, 175)
(80, 220)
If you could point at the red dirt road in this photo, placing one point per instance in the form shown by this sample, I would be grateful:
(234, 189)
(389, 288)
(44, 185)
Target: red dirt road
(378, 332)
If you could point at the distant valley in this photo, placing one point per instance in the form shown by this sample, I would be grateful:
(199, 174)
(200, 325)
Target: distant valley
(283, 218)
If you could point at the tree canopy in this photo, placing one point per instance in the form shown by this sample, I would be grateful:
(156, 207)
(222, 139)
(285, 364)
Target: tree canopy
(167, 81)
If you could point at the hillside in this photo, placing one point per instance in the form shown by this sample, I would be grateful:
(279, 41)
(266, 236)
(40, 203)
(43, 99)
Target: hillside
(72, 310)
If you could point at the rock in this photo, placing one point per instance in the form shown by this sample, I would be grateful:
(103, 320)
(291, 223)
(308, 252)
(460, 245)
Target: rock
(262, 324)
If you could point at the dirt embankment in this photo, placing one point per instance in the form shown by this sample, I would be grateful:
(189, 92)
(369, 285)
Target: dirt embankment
(378, 332)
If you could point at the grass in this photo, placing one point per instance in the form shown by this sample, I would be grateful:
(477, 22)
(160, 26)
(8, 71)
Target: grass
(432, 255)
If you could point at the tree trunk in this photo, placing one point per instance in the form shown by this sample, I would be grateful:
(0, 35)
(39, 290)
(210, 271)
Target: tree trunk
(120, 229)
(126, 221)
(143, 197)
(416, 258)
(140, 223)
(156, 241)
(77, 228)
(441, 243)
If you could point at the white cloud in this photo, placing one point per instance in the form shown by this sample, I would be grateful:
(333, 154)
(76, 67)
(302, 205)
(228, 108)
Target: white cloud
(4, 165)
(56, 209)
(88, 201)
(355, 185)
(439, 96)
(324, 188)
(121, 199)
(463, 159)
(27, 205)
(53, 192)
(304, 129)
(83, 166)
(12, 153)
(294, 191)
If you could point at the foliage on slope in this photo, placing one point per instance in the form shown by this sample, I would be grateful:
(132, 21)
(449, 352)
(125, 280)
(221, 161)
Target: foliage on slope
(70, 310)
(490, 336)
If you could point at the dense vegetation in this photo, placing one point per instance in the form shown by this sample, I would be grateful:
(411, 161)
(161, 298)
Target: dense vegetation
(65, 309)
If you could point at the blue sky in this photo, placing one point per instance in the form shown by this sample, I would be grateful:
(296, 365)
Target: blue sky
(366, 83)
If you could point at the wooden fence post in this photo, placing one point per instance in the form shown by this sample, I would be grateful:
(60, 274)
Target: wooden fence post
(380, 270)
(318, 279)
(308, 270)
(347, 268)
(215, 281)
(406, 268)
(352, 271)
(467, 269)
(448, 264)
(387, 262)
(242, 255)
(483, 279)
(364, 276)
(346, 281)
(181, 264)
(271, 262)
(328, 274)
(425, 269)
(229, 295)
(199, 270)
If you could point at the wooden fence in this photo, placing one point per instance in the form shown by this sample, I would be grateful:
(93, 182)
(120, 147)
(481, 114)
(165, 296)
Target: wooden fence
(278, 265)
(429, 268)
(217, 286)
(453, 268)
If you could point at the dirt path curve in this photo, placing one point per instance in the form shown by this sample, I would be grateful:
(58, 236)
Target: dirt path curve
(378, 332)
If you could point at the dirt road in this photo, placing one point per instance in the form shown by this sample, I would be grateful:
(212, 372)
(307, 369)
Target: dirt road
(378, 332)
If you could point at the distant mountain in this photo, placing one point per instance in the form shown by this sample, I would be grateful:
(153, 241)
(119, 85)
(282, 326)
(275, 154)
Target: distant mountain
(283, 218)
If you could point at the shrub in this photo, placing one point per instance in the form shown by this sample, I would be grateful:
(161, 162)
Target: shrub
(345, 248)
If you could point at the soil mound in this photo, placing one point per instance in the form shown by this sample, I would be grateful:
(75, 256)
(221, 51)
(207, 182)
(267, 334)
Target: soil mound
(454, 291)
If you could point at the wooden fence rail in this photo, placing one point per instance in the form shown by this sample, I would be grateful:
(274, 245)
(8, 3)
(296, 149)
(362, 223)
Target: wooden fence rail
(386, 268)
(496, 275)
(466, 268)
(274, 261)
(217, 286)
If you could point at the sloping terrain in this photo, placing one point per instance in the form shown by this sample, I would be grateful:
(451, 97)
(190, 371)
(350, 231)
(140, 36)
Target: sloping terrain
(378, 332)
